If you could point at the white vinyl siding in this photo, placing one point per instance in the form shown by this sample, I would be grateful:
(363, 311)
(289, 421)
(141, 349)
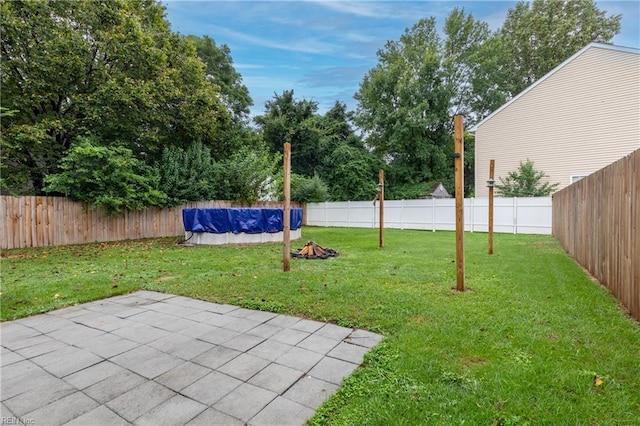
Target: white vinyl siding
(576, 120)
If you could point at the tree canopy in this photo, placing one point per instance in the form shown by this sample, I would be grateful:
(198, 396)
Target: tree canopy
(221, 73)
(287, 119)
(535, 38)
(461, 53)
(86, 79)
(112, 69)
(404, 107)
(324, 147)
(406, 102)
(187, 174)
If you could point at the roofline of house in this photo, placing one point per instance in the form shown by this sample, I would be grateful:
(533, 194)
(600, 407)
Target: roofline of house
(553, 71)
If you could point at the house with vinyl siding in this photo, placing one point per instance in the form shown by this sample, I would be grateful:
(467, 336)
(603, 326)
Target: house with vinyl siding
(577, 119)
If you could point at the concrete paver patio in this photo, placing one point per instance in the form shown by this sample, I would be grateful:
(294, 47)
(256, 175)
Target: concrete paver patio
(150, 358)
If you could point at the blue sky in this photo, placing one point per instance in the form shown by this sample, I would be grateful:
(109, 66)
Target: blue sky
(323, 49)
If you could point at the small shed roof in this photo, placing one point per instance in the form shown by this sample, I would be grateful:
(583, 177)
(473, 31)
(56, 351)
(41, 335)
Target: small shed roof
(439, 191)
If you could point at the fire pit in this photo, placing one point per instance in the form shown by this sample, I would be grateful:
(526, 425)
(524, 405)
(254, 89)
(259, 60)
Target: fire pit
(311, 250)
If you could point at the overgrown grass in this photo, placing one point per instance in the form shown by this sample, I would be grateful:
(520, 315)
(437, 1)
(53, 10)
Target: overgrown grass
(533, 340)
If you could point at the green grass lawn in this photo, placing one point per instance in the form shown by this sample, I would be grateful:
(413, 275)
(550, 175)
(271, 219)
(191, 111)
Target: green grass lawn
(533, 340)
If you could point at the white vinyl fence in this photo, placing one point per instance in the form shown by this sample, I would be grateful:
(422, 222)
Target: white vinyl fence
(510, 215)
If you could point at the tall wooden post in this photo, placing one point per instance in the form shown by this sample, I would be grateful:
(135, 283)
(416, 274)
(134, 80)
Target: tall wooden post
(491, 182)
(459, 187)
(381, 194)
(286, 211)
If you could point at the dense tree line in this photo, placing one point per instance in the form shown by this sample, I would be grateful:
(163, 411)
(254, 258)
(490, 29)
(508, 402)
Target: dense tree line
(101, 101)
(406, 102)
(323, 147)
(109, 70)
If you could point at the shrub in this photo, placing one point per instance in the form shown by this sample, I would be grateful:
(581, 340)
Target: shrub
(525, 182)
(308, 190)
(105, 176)
(187, 175)
(246, 175)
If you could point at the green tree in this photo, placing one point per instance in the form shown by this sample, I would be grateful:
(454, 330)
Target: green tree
(108, 177)
(246, 176)
(111, 68)
(308, 190)
(403, 107)
(336, 128)
(220, 71)
(490, 80)
(525, 182)
(187, 175)
(538, 36)
(234, 95)
(349, 169)
(302, 189)
(295, 121)
(461, 52)
(353, 174)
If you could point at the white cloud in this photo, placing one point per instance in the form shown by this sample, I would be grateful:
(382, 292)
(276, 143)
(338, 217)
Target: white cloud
(270, 83)
(304, 45)
(249, 66)
(360, 8)
(388, 10)
(338, 76)
(359, 37)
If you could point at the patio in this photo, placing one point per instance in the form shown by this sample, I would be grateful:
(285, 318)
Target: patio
(159, 359)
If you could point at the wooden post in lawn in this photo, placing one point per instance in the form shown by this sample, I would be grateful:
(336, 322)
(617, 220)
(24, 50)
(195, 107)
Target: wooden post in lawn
(459, 187)
(490, 184)
(286, 211)
(381, 194)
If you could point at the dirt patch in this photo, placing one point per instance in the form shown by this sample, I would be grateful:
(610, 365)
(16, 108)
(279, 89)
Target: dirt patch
(472, 361)
(418, 320)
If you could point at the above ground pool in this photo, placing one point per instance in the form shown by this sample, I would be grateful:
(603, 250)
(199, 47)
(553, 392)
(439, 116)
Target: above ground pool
(238, 225)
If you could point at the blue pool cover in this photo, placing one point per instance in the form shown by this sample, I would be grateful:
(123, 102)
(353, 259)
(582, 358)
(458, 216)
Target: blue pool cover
(237, 220)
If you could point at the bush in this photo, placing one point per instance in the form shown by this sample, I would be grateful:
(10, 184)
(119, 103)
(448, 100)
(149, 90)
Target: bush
(246, 175)
(303, 189)
(352, 173)
(105, 176)
(187, 175)
(308, 190)
(525, 182)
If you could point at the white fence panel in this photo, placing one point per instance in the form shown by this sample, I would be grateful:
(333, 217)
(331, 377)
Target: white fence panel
(416, 216)
(479, 220)
(534, 216)
(511, 215)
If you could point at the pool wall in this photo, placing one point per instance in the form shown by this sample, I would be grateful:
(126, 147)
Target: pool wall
(238, 225)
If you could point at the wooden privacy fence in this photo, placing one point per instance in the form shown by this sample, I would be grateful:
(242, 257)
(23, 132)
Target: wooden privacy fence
(33, 221)
(597, 220)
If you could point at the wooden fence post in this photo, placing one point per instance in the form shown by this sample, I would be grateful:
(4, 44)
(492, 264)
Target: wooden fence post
(286, 211)
(381, 193)
(490, 183)
(459, 187)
